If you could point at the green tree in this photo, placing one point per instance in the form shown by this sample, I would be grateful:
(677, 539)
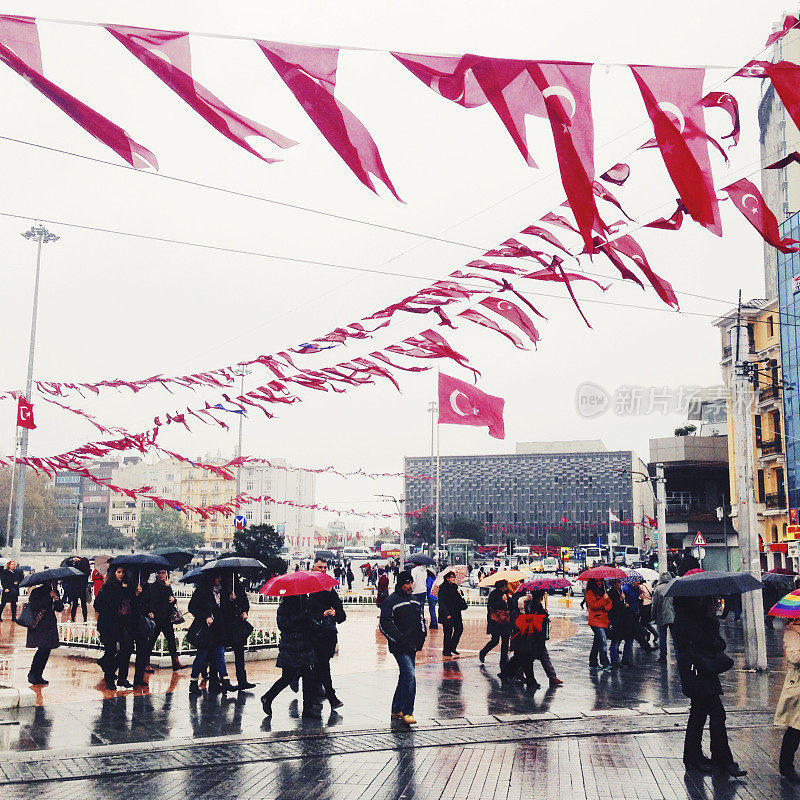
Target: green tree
(164, 528)
(462, 527)
(106, 537)
(262, 542)
(41, 528)
(423, 528)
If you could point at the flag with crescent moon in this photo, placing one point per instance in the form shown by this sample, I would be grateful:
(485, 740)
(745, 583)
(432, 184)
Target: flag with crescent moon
(747, 198)
(672, 97)
(461, 403)
(785, 77)
(167, 55)
(789, 22)
(25, 414)
(310, 75)
(514, 314)
(565, 90)
(19, 49)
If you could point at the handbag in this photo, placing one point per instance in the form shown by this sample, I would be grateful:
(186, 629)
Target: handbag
(177, 618)
(199, 636)
(714, 665)
(500, 616)
(242, 633)
(26, 618)
(145, 627)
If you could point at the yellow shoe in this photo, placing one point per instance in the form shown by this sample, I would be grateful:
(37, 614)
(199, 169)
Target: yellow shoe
(395, 716)
(409, 719)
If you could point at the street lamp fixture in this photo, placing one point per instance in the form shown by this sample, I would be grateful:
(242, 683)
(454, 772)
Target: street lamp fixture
(398, 503)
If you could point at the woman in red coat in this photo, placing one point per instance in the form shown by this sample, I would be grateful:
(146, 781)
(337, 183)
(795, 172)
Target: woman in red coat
(599, 604)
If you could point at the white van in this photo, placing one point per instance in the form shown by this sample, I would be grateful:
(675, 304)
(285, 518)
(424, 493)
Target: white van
(358, 554)
(595, 555)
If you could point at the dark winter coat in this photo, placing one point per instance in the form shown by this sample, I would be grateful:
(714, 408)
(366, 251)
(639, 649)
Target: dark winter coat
(621, 623)
(76, 587)
(402, 623)
(203, 605)
(451, 602)
(497, 601)
(527, 644)
(160, 594)
(45, 632)
(697, 641)
(236, 629)
(323, 629)
(114, 605)
(296, 648)
(10, 584)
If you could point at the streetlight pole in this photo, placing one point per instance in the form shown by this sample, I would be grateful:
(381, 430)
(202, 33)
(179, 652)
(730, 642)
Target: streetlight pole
(241, 371)
(40, 235)
(398, 504)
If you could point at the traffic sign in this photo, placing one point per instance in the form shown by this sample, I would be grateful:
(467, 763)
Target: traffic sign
(699, 553)
(239, 522)
(699, 540)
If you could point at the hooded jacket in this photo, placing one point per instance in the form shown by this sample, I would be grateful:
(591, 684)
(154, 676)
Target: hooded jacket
(402, 623)
(663, 607)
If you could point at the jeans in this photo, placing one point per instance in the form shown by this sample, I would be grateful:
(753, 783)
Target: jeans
(627, 651)
(406, 691)
(791, 739)
(599, 647)
(502, 640)
(453, 628)
(662, 640)
(322, 675)
(432, 601)
(39, 662)
(710, 708)
(217, 653)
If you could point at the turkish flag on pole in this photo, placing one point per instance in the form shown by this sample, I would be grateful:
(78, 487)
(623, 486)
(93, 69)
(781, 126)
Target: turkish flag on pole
(461, 403)
(25, 414)
(748, 200)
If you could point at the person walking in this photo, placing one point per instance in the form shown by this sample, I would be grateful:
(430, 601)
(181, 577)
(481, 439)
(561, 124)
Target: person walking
(326, 611)
(687, 562)
(114, 607)
(621, 626)
(383, 587)
(787, 711)
(98, 579)
(295, 654)
(420, 593)
(44, 601)
(526, 638)
(10, 578)
(701, 660)
(536, 608)
(646, 611)
(663, 613)
(75, 588)
(235, 609)
(403, 625)
(598, 604)
(209, 633)
(498, 622)
(350, 577)
(143, 631)
(451, 604)
(432, 601)
(164, 606)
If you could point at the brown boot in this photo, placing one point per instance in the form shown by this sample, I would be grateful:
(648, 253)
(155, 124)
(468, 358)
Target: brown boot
(176, 665)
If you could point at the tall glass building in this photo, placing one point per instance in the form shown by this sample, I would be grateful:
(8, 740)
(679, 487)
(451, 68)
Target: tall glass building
(789, 316)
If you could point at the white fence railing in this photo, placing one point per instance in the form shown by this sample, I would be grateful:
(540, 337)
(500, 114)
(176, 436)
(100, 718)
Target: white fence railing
(7, 665)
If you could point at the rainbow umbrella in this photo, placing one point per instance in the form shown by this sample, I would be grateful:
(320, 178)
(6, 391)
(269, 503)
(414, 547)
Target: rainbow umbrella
(788, 606)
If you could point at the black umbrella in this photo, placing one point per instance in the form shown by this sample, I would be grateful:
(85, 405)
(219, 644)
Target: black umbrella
(140, 561)
(702, 584)
(325, 555)
(177, 558)
(192, 576)
(68, 561)
(421, 559)
(56, 574)
(234, 563)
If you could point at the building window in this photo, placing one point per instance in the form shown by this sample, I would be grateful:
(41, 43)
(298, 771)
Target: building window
(761, 491)
(770, 327)
(774, 533)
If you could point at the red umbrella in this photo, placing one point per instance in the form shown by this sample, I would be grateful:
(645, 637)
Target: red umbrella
(545, 585)
(598, 573)
(299, 582)
(782, 571)
(695, 571)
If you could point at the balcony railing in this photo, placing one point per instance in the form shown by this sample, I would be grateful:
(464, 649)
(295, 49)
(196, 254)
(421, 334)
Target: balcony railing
(776, 500)
(771, 392)
(771, 446)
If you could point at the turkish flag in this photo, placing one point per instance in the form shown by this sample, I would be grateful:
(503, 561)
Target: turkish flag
(461, 403)
(748, 200)
(513, 313)
(672, 96)
(25, 414)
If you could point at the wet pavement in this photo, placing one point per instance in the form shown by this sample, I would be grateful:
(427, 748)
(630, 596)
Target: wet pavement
(612, 734)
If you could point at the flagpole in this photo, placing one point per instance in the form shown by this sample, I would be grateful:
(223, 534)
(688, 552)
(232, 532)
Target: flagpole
(11, 490)
(438, 474)
(611, 559)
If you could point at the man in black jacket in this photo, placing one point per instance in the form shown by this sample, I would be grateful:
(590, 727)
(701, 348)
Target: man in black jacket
(403, 625)
(326, 613)
(163, 604)
(235, 610)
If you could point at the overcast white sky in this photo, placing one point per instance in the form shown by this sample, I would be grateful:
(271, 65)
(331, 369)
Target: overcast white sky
(112, 306)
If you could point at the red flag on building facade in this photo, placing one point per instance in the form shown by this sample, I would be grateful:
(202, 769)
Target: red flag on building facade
(461, 403)
(25, 414)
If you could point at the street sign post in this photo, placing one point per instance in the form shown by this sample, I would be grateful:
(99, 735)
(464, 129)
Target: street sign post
(699, 540)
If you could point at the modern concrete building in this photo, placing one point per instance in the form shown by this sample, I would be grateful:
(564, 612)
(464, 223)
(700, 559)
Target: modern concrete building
(568, 487)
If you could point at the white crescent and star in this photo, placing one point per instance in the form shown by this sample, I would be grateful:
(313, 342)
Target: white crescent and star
(504, 305)
(454, 403)
(564, 94)
(674, 111)
(754, 208)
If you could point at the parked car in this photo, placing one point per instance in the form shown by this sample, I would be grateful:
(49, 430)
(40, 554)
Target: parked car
(550, 564)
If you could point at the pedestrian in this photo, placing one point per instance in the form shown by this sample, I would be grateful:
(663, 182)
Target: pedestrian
(663, 613)
(44, 601)
(599, 605)
(98, 579)
(165, 609)
(143, 630)
(451, 604)
(646, 610)
(75, 587)
(432, 600)
(536, 608)
(114, 607)
(10, 578)
(295, 654)
(687, 562)
(420, 593)
(350, 578)
(631, 592)
(498, 622)
(326, 611)
(701, 660)
(235, 610)
(208, 633)
(403, 625)
(621, 626)
(788, 710)
(732, 603)
(526, 638)
(383, 587)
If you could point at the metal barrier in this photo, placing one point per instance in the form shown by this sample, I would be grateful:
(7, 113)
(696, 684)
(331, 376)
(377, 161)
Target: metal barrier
(7, 665)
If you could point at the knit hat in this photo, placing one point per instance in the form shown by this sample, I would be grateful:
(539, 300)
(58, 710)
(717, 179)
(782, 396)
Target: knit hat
(404, 577)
